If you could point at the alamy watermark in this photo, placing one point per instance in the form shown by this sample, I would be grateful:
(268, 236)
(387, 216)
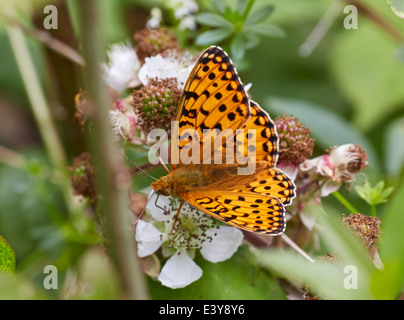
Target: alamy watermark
(51, 280)
(351, 20)
(351, 280)
(211, 147)
(51, 20)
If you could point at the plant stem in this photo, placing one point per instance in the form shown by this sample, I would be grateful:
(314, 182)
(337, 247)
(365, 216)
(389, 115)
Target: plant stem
(37, 99)
(295, 247)
(12, 158)
(41, 111)
(373, 210)
(320, 29)
(111, 173)
(344, 202)
(248, 9)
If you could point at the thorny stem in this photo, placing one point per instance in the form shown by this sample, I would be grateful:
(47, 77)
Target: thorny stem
(110, 174)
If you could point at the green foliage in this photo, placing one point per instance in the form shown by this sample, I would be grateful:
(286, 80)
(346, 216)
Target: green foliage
(349, 90)
(373, 98)
(327, 128)
(374, 195)
(239, 278)
(397, 6)
(394, 147)
(239, 26)
(328, 278)
(7, 256)
(388, 283)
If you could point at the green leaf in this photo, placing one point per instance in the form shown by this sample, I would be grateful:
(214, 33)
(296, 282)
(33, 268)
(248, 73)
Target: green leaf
(327, 278)
(397, 6)
(252, 40)
(267, 30)
(259, 15)
(400, 54)
(219, 6)
(389, 282)
(241, 6)
(213, 20)
(367, 72)
(213, 36)
(238, 46)
(373, 195)
(345, 245)
(394, 147)
(7, 257)
(239, 278)
(323, 278)
(327, 128)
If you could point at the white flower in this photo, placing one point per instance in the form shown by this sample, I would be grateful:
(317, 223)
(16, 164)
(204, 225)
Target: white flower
(155, 19)
(188, 22)
(123, 121)
(168, 67)
(182, 8)
(121, 72)
(193, 230)
(179, 271)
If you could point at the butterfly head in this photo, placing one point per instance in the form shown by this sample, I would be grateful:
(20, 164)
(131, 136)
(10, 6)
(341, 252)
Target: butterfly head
(162, 186)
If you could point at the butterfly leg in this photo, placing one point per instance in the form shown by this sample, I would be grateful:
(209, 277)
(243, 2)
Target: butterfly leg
(155, 203)
(176, 217)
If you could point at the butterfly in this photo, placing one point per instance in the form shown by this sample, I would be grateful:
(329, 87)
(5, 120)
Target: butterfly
(216, 120)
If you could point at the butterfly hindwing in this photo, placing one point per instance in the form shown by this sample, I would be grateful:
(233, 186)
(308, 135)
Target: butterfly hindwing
(261, 130)
(248, 211)
(270, 182)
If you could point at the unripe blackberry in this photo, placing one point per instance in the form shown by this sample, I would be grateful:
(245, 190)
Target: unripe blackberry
(151, 42)
(295, 144)
(156, 104)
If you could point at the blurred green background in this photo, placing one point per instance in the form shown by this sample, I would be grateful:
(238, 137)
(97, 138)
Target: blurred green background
(350, 89)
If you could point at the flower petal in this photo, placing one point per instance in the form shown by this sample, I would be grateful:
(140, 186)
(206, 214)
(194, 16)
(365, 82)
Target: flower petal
(329, 187)
(179, 271)
(155, 207)
(225, 242)
(123, 67)
(149, 239)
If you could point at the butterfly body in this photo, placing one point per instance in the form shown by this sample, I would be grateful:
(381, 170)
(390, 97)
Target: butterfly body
(214, 98)
(194, 177)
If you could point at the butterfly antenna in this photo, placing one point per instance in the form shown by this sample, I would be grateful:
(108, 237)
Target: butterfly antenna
(144, 209)
(140, 169)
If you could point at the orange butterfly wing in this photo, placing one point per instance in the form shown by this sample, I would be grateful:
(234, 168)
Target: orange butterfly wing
(248, 211)
(214, 99)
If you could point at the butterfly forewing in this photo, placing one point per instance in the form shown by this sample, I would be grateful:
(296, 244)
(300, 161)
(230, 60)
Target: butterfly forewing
(213, 100)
